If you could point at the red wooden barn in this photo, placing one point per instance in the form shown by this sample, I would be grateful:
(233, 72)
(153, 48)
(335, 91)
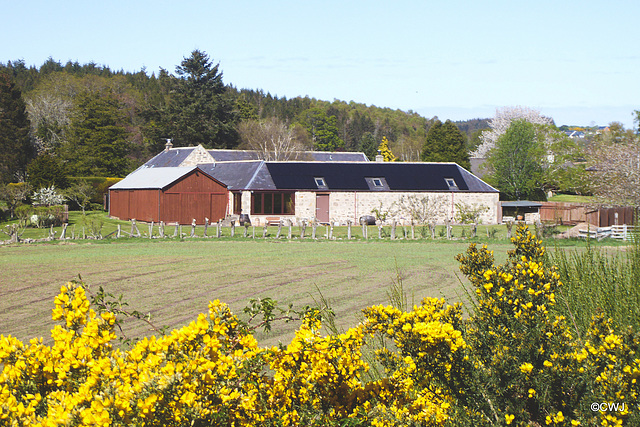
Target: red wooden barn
(175, 194)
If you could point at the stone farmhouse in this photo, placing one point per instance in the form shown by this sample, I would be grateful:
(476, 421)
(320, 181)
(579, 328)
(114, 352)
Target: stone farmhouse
(187, 183)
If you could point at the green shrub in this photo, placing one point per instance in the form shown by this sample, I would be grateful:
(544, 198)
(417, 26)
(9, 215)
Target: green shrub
(100, 183)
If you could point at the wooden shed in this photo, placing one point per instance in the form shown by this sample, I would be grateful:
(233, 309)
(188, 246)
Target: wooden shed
(175, 194)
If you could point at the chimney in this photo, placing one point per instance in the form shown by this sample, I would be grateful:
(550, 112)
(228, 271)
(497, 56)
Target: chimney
(379, 157)
(168, 146)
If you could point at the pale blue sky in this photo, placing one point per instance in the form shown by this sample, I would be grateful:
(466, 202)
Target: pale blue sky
(576, 61)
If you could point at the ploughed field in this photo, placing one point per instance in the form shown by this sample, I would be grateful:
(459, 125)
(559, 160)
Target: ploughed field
(175, 280)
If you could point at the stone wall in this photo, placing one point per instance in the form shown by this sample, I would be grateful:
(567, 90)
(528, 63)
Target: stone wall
(351, 205)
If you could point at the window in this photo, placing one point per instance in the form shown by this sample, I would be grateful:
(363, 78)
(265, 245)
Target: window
(377, 182)
(320, 182)
(451, 183)
(273, 203)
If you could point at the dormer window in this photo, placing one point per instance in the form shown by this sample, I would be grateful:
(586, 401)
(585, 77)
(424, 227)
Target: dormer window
(377, 183)
(320, 183)
(451, 183)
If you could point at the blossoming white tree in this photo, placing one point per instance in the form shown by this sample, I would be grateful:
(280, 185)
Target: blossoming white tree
(501, 122)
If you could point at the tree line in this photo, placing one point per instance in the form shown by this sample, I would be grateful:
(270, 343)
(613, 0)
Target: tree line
(89, 120)
(72, 120)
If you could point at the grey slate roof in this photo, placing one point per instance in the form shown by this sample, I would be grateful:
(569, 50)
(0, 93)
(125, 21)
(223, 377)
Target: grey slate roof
(175, 156)
(353, 176)
(169, 159)
(247, 175)
(341, 172)
(344, 176)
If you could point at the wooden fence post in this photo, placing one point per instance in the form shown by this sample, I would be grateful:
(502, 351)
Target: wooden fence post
(314, 229)
(206, 225)
(290, 229)
(119, 232)
(219, 229)
(193, 228)
(63, 235)
(151, 229)
(233, 228)
(393, 229)
(349, 229)
(303, 228)
(264, 230)
(331, 223)
(175, 232)
(161, 230)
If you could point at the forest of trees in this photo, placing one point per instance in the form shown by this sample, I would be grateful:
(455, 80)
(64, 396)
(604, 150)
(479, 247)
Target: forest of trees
(60, 122)
(89, 120)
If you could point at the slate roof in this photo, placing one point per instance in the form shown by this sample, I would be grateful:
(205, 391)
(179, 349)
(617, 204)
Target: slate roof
(175, 156)
(345, 176)
(241, 175)
(169, 159)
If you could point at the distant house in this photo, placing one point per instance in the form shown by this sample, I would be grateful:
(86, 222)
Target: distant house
(321, 185)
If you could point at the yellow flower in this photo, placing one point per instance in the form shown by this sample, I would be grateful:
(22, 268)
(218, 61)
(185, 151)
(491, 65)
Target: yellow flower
(509, 418)
(526, 368)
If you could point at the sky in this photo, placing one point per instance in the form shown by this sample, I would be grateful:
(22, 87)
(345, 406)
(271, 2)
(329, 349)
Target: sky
(575, 61)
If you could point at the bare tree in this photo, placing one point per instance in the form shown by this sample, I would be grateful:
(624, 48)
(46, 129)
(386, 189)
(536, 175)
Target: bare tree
(50, 115)
(81, 192)
(271, 139)
(615, 174)
(419, 209)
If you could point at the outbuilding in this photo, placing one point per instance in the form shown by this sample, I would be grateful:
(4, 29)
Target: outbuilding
(170, 194)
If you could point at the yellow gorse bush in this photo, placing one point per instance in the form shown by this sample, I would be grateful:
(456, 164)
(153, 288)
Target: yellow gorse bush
(212, 372)
(513, 361)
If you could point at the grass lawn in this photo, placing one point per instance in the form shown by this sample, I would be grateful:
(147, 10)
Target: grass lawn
(571, 198)
(174, 279)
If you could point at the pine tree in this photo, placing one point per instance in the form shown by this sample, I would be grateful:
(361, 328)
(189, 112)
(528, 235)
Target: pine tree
(46, 171)
(446, 143)
(368, 146)
(98, 142)
(200, 110)
(15, 144)
(385, 151)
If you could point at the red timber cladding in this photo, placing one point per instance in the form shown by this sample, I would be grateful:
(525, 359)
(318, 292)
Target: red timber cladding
(195, 196)
(139, 204)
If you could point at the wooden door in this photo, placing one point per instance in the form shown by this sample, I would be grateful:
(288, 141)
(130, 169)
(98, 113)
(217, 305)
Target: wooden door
(322, 208)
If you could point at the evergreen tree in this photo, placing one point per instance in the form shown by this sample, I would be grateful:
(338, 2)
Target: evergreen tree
(200, 110)
(15, 144)
(445, 143)
(98, 142)
(385, 151)
(46, 171)
(368, 146)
